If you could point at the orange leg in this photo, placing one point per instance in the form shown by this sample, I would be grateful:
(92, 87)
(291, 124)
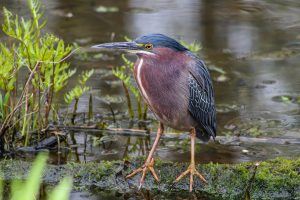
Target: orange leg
(149, 164)
(191, 169)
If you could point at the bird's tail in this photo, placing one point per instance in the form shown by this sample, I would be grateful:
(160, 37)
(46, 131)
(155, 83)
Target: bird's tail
(205, 132)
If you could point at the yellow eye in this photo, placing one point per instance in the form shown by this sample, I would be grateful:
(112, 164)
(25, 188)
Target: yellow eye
(148, 46)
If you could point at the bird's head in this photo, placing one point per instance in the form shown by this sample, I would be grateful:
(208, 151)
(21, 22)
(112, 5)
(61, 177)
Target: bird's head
(147, 45)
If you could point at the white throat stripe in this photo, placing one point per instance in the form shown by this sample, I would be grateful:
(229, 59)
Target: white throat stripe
(139, 78)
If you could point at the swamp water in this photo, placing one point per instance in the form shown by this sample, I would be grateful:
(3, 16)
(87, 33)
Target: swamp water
(251, 47)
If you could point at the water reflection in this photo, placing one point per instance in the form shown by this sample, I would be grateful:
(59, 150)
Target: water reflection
(256, 43)
(176, 18)
(236, 36)
(85, 147)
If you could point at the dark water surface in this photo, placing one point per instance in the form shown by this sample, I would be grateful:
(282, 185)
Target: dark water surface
(256, 44)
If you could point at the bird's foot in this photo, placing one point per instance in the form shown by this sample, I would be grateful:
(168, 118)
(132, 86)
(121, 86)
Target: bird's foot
(147, 166)
(193, 171)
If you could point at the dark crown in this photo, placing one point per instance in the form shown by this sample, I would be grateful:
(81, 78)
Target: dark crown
(160, 40)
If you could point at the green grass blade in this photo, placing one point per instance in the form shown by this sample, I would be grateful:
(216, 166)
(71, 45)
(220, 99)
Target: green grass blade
(62, 191)
(31, 186)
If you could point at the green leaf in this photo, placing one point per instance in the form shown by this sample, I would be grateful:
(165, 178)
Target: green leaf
(6, 99)
(79, 89)
(62, 191)
(30, 188)
(85, 76)
(193, 47)
(1, 107)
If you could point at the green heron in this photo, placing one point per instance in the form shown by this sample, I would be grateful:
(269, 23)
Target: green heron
(177, 86)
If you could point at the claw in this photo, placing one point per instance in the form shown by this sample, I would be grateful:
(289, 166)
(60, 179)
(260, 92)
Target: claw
(182, 175)
(150, 160)
(192, 170)
(153, 171)
(201, 177)
(144, 168)
(134, 172)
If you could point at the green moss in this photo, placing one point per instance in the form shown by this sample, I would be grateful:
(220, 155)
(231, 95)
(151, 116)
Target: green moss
(275, 179)
(278, 178)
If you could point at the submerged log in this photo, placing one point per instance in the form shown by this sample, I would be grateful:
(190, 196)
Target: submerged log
(143, 133)
(272, 179)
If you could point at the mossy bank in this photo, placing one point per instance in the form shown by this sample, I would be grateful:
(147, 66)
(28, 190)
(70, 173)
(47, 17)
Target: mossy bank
(274, 179)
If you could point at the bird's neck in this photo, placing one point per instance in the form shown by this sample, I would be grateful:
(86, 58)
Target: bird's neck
(163, 57)
(152, 69)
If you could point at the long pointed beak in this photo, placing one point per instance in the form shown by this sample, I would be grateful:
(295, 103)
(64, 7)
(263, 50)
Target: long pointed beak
(127, 46)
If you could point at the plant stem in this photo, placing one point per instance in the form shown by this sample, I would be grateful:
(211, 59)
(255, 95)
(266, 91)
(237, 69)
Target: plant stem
(145, 111)
(90, 113)
(139, 107)
(130, 111)
(39, 101)
(49, 95)
(1, 146)
(74, 110)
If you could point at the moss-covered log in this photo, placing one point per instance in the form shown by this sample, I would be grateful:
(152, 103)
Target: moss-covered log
(274, 179)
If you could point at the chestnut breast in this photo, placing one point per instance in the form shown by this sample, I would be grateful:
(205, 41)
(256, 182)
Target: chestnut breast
(163, 81)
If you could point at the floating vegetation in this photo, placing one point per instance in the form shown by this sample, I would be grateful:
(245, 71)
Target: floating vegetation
(222, 75)
(221, 78)
(287, 99)
(104, 9)
(225, 108)
(217, 69)
(281, 54)
(277, 55)
(254, 127)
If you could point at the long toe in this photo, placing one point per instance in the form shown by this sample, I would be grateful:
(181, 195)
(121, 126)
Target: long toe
(146, 167)
(192, 171)
(134, 172)
(201, 177)
(151, 168)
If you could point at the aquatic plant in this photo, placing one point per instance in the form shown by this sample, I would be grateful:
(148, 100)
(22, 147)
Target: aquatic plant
(33, 69)
(194, 47)
(29, 189)
(78, 91)
(124, 73)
